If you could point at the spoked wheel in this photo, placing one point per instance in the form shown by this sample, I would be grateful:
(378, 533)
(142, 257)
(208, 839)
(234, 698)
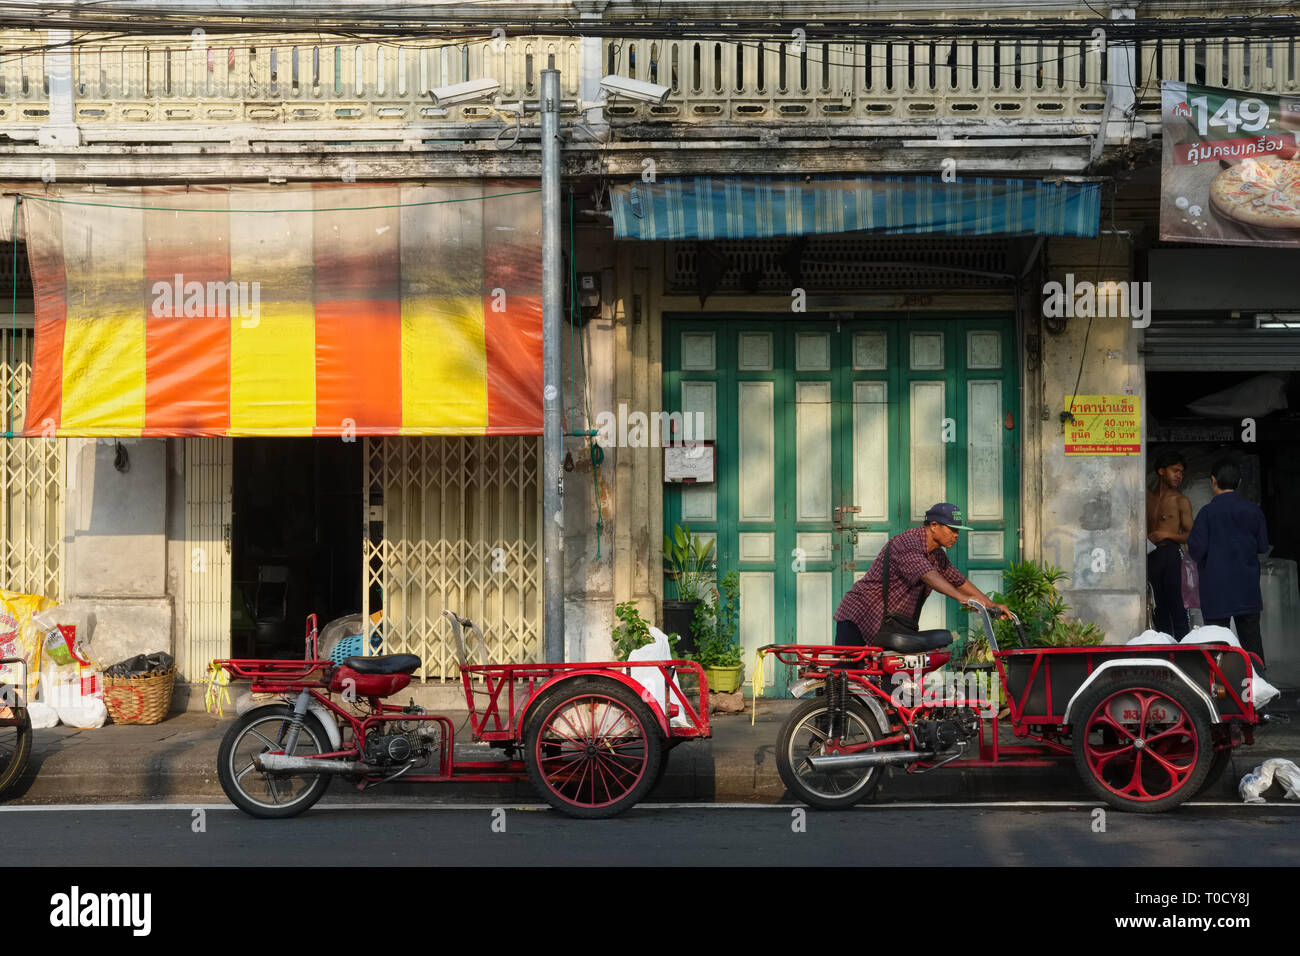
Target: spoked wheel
(805, 734)
(266, 795)
(1143, 745)
(15, 746)
(593, 748)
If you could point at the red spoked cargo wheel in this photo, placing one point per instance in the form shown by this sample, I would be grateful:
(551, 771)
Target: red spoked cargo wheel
(1142, 744)
(593, 748)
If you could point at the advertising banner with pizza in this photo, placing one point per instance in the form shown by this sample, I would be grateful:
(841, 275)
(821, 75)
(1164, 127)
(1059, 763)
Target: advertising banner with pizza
(1231, 168)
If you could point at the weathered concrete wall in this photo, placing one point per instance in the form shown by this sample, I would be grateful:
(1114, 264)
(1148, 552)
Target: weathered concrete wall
(1092, 517)
(116, 548)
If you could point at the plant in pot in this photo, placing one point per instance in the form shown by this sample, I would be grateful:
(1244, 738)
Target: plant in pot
(632, 631)
(690, 565)
(714, 629)
(1031, 594)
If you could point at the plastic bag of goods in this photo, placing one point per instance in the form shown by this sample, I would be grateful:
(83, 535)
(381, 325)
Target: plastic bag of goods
(1259, 691)
(1211, 634)
(63, 630)
(652, 678)
(74, 691)
(42, 715)
(20, 637)
(1153, 637)
(1254, 784)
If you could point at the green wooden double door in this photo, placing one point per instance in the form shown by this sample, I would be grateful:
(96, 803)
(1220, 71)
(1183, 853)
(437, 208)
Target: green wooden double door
(832, 436)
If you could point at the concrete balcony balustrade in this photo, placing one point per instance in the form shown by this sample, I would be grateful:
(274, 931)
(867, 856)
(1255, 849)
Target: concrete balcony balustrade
(1030, 103)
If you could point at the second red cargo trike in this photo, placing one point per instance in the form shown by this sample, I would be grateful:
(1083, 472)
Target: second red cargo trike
(592, 737)
(1147, 727)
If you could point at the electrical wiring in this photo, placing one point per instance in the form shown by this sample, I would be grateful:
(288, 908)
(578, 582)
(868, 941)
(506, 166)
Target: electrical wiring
(451, 24)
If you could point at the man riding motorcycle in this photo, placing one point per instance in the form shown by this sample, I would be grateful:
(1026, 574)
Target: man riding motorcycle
(918, 565)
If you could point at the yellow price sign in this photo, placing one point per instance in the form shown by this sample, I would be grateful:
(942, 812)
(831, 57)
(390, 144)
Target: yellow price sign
(1103, 425)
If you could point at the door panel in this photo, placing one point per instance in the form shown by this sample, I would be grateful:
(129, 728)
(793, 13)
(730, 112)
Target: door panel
(757, 447)
(832, 437)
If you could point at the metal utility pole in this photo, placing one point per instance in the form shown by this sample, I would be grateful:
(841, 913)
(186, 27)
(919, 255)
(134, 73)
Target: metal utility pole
(552, 437)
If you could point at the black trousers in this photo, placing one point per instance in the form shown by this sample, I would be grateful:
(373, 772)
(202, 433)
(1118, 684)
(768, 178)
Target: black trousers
(1164, 572)
(1247, 631)
(848, 635)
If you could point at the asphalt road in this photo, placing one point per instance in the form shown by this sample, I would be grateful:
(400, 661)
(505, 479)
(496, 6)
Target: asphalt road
(900, 835)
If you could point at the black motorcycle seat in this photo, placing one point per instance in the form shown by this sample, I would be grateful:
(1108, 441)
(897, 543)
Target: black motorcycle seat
(915, 643)
(384, 664)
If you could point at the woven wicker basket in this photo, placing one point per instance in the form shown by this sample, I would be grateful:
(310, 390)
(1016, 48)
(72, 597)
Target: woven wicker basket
(139, 700)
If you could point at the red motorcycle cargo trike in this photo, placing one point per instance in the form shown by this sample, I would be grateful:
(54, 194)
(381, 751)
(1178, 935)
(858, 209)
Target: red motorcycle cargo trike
(590, 736)
(1146, 726)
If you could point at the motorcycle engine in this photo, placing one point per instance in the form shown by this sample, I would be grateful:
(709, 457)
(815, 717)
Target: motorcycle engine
(405, 742)
(945, 728)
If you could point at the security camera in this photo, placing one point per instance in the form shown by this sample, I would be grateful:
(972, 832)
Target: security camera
(471, 91)
(635, 89)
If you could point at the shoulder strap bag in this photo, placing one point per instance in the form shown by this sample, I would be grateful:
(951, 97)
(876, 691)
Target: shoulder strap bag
(895, 623)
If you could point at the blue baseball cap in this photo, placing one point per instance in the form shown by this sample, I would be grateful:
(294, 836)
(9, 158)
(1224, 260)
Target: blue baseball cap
(946, 514)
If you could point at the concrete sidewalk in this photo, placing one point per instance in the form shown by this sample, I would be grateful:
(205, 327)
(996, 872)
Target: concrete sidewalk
(175, 761)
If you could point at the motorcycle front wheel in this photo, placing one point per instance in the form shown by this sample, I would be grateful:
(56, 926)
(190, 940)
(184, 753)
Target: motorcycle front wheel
(805, 735)
(264, 795)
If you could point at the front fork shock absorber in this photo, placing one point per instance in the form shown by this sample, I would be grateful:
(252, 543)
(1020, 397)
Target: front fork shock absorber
(837, 702)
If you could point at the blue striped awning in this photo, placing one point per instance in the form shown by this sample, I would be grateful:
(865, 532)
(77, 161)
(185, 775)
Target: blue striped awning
(748, 207)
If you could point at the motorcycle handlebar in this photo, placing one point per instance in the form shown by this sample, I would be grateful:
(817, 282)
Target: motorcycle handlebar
(988, 623)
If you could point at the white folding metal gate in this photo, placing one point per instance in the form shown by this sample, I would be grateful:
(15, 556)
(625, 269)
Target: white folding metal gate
(31, 483)
(208, 475)
(453, 523)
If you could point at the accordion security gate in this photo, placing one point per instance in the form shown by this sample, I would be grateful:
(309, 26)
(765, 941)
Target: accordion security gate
(454, 523)
(31, 483)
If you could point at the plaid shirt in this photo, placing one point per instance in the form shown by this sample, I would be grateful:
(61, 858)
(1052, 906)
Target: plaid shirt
(908, 563)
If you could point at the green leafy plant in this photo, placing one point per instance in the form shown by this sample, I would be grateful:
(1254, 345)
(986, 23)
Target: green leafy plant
(633, 631)
(715, 625)
(690, 562)
(1031, 593)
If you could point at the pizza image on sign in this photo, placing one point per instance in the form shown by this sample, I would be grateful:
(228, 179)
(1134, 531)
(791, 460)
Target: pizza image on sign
(1231, 167)
(1259, 192)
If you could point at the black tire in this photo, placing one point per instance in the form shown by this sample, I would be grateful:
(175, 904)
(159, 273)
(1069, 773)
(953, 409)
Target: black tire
(588, 732)
(15, 749)
(1218, 766)
(1125, 770)
(257, 793)
(663, 772)
(826, 791)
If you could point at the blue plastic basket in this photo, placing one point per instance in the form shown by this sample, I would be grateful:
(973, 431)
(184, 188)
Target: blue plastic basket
(353, 646)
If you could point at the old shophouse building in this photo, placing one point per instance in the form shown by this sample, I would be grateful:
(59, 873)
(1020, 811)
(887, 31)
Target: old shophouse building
(830, 241)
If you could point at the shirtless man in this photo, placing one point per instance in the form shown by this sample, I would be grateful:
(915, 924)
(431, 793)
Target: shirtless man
(1169, 520)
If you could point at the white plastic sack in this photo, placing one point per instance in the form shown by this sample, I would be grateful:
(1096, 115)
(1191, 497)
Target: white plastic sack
(1153, 637)
(1259, 690)
(1212, 634)
(651, 677)
(42, 715)
(1254, 784)
(88, 715)
(1254, 397)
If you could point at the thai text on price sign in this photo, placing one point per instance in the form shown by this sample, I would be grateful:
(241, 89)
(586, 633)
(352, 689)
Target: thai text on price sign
(1103, 425)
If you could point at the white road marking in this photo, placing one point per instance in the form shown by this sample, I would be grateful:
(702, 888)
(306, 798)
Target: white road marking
(481, 807)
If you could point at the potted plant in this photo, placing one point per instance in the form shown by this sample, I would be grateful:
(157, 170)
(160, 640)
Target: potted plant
(632, 631)
(714, 629)
(690, 564)
(1032, 596)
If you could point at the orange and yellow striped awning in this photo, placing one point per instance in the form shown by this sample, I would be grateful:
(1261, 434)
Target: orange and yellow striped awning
(330, 309)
